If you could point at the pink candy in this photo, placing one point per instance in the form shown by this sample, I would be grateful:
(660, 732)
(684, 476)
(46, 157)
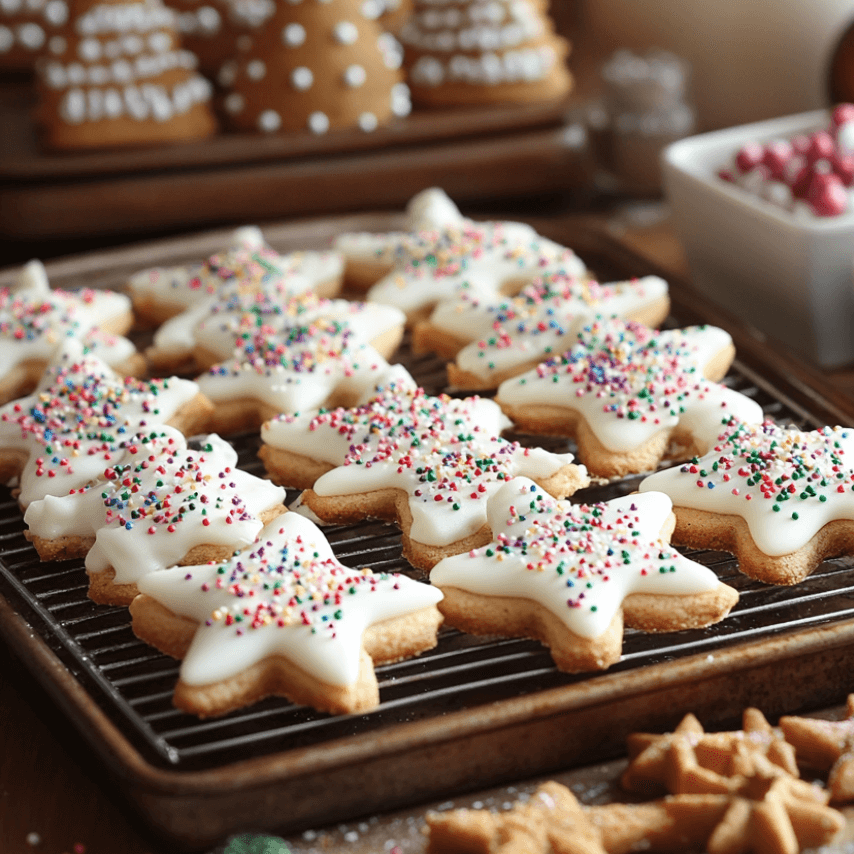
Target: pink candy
(815, 171)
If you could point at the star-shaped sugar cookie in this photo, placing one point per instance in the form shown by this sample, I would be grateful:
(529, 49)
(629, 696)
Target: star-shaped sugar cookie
(285, 617)
(631, 396)
(571, 575)
(163, 504)
(159, 293)
(80, 416)
(36, 319)
(779, 498)
(428, 463)
(212, 329)
(490, 340)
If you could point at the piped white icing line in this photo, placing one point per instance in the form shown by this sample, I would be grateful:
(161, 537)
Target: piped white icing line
(785, 483)
(79, 419)
(35, 319)
(219, 323)
(538, 323)
(630, 382)
(247, 261)
(446, 454)
(287, 595)
(148, 511)
(431, 266)
(578, 561)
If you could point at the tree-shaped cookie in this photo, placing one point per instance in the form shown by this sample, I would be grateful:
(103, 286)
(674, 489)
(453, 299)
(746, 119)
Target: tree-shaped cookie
(285, 617)
(121, 78)
(779, 498)
(491, 340)
(631, 396)
(79, 419)
(484, 52)
(428, 463)
(316, 66)
(163, 504)
(571, 576)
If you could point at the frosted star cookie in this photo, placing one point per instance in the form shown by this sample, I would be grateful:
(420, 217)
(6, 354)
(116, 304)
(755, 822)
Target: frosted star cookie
(491, 340)
(79, 418)
(427, 463)
(283, 617)
(35, 319)
(570, 576)
(631, 396)
(214, 328)
(248, 262)
(779, 498)
(162, 504)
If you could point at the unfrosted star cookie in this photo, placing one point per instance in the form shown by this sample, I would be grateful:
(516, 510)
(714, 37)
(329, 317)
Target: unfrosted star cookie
(779, 498)
(303, 367)
(631, 396)
(247, 262)
(427, 463)
(490, 340)
(212, 329)
(35, 319)
(571, 576)
(162, 504)
(283, 617)
(79, 418)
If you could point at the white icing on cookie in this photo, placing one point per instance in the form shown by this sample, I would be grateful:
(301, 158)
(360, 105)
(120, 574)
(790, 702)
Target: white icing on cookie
(286, 594)
(446, 454)
(630, 382)
(148, 511)
(578, 561)
(538, 323)
(35, 319)
(785, 483)
(79, 419)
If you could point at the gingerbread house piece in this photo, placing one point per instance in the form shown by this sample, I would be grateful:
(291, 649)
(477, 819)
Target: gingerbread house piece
(26, 28)
(317, 66)
(483, 51)
(117, 75)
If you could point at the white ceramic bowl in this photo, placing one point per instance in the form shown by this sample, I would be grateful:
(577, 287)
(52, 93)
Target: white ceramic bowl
(788, 276)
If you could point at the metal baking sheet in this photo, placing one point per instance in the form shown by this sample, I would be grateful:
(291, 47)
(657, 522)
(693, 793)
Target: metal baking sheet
(473, 712)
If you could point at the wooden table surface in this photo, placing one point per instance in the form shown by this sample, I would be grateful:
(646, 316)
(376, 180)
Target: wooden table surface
(54, 800)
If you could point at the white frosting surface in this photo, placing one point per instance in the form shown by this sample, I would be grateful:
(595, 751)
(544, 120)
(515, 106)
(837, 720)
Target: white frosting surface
(446, 454)
(160, 501)
(630, 382)
(785, 483)
(79, 418)
(578, 561)
(288, 595)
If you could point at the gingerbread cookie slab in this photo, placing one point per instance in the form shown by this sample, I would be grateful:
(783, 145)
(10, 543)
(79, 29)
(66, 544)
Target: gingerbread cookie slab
(570, 576)
(162, 504)
(779, 498)
(427, 463)
(631, 396)
(79, 418)
(285, 617)
(492, 340)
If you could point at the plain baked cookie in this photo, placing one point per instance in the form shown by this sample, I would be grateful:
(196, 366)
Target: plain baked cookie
(426, 463)
(162, 504)
(779, 498)
(477, 52)
(631, 396)
(36, 319)
(570, 576)
(283, 617)
(491, 340)
(246, 262)
(79, 419)
(118, 76)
